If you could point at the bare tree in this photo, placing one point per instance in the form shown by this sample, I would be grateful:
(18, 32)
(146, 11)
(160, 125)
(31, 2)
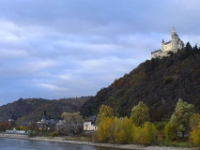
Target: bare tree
(74, 122)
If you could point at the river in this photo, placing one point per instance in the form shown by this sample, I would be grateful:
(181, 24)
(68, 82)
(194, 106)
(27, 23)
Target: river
(16, 144)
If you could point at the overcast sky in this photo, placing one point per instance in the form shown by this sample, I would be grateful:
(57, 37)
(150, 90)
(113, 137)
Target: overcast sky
(71, 48)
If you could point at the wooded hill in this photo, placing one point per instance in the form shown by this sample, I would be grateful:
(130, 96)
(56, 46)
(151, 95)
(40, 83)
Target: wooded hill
(31, 109)
(159, 83)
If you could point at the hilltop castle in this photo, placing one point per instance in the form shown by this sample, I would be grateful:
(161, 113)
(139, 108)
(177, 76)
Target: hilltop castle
(173, 45)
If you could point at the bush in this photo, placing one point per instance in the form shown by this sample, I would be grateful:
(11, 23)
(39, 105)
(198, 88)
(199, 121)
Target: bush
(177, 71)
(54, 134)
(30, 134)
(94, 137)
(167, 79)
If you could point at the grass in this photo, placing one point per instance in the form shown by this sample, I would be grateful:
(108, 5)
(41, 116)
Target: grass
(87, 138)
(184, 143)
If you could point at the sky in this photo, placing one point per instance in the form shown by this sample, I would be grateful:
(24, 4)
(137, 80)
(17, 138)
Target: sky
(71, 48)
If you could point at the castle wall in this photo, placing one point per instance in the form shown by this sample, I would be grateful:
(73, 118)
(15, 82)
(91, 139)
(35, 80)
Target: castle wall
(159, 54)
(166, 47)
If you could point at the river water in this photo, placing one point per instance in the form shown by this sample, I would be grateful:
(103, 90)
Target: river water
(15, 144)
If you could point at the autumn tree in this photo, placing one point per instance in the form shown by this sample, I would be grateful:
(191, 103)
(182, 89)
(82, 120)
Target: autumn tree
(74, 122)
(181, 116)
(195, 133)
(3, 126)
(103, 128)
(122, 130)
(194, 120)
(33, 126)
(140, 114)
(104, 111)
(145, 134)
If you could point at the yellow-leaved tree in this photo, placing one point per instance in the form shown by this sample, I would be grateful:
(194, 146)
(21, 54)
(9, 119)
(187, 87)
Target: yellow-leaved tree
(104, 111)
(103, 129)
(195, 133)
(104, 122)
(122, 130)
(145, 134)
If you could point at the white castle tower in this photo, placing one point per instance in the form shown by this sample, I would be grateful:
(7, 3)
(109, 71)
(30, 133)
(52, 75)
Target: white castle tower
(173, 45)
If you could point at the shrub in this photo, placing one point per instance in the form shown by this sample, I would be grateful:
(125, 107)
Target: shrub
(30, 134)
(167, 79)
(54, 134)
(177, 71)
(170, 132)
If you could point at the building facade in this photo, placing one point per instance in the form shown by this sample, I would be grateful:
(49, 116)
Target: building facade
(89, 126)
(173, 45)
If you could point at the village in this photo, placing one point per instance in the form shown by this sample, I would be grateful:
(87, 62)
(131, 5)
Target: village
(50, 125)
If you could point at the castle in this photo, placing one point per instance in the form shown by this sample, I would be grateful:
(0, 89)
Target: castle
(173, 45)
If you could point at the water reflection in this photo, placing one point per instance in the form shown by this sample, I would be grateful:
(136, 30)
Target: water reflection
(14, 144)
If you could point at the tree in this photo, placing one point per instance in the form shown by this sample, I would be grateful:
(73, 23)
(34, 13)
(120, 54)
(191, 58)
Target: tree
(195, 135)
(140, 114)
(103, 129)
(181, 116)
(122, 130)
(33, 126)
(3, 126)
(74, 122)
(188, 46)
(145, 134)
(150, 132)
(169, 132)
(104, 111)
(194, 121)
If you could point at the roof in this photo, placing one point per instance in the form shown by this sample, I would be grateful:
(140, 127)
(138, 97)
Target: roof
(52, 121)
(168, 42)
(61, 123)
(92, 119)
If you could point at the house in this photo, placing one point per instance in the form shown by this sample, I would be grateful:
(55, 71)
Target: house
(14, 131)
(173, 45)
(46, 124)
(60, 125)
(89, 125)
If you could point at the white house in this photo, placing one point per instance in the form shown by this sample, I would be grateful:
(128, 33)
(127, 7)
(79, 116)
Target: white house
(14, 131)
(173, 45)
(89, 124)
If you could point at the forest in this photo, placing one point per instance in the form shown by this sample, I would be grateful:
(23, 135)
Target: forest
(183, 127)
(159, 83)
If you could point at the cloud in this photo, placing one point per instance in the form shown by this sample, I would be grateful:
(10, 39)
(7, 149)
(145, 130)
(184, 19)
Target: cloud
(52, 87)
(74, 48)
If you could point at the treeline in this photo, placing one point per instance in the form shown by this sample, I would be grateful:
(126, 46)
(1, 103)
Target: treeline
(137, 129)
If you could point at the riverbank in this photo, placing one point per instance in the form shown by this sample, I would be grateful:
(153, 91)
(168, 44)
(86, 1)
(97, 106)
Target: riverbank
(62, 140)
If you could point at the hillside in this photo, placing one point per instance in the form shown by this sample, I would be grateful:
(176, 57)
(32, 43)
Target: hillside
(157, 82)
(31, 109)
